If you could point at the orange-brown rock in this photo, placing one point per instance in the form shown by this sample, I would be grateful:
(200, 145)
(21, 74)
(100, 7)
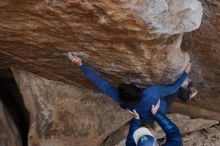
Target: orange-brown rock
(123, 40)
(62, 114)
(185, 124)
(203, 46)
(116, 38)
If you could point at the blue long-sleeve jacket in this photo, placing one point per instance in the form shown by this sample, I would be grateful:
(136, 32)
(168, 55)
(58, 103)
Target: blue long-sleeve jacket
(150, 95)
(173, 136)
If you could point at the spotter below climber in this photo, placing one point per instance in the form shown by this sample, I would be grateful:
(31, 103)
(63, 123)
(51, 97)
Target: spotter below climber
(141, 136)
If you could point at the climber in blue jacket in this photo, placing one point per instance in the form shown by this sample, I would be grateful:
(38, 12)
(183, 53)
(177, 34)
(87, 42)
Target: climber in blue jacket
(141, 136)
(129, 96)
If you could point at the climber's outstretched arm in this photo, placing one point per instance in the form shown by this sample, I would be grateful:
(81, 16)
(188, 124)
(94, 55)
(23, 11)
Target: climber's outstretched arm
(98, 81)
(165, 90)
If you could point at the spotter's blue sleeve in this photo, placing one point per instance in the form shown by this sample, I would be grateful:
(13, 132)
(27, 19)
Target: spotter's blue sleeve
(173, 136)
(134, 125)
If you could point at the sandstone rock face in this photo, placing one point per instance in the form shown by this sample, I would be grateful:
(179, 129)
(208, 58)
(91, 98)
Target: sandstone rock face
(35, 34)
(64, 115)
(192, 109)
(9, 133)
(203, 46)
(161, 15)
(123, 40)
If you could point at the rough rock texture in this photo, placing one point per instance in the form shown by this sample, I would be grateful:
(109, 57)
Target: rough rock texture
(9, 135)
(168, 16)
(64, 115)
(185, 123)
(123, 40)
(203, 46)
(194, 111)
(206, 137)
(35, 34)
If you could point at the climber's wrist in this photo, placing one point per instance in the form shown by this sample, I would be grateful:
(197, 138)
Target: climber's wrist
(80, 64)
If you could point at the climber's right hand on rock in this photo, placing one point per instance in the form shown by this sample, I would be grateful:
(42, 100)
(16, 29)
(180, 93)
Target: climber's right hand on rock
(74, 58)
(188, 67)
(155, 108)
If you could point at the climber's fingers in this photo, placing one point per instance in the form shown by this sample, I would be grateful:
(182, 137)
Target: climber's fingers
(158, 104)
(155, 108)
(188, 67)
(71, 57)
(136, 114)
(133, 113)
(130, 112)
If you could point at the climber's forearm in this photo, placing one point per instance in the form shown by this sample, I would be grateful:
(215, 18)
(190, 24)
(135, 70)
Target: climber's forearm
(100, 83)
(172, 88)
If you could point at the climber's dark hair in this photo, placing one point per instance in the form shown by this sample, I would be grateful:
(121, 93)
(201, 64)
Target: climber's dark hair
(129, 93)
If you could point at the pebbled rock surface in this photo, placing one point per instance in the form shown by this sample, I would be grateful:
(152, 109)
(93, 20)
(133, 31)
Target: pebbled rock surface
(9, 135)
(206, 137)
(65, 115)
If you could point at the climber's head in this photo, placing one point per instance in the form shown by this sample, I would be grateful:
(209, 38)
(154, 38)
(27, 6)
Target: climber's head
(129, 93)
(143, 137)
